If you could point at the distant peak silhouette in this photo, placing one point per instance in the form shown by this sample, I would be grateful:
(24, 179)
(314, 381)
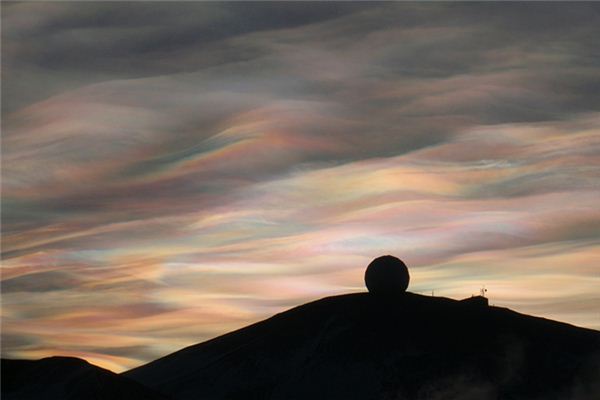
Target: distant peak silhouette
(387, 275)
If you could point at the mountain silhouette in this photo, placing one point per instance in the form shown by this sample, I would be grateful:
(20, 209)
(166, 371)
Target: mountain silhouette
(408, 346)
(67, 378)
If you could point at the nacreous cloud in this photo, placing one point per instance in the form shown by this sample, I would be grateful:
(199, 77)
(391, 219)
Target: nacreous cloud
(174, 171)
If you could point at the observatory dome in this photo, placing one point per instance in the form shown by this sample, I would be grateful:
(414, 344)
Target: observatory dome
(387, 275)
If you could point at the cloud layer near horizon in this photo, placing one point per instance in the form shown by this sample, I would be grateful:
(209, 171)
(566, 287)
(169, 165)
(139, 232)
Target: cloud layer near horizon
(175, 171)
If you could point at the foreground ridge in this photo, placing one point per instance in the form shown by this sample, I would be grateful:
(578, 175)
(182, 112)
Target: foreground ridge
(364, 346)
(67, 378)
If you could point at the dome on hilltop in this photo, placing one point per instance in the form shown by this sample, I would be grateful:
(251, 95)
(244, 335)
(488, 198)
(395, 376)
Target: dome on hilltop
(387, 275)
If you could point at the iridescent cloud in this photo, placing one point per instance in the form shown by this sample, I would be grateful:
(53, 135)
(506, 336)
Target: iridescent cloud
(173, 172)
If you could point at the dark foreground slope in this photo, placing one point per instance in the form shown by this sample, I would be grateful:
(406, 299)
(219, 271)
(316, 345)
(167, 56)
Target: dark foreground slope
(67, 378)
(362, 347)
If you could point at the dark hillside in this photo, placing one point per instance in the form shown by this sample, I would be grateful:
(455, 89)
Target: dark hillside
(67, 378)
(362, 346)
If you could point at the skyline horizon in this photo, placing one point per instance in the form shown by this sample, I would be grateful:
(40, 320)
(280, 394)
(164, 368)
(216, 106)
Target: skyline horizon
(174, 171)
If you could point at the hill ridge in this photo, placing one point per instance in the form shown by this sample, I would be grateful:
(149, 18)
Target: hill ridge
(337, 341)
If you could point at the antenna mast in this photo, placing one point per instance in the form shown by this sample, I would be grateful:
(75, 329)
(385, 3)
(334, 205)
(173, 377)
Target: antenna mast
(482, 291)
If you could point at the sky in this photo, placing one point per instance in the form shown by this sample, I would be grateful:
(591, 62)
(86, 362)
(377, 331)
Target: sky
(174, 171)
